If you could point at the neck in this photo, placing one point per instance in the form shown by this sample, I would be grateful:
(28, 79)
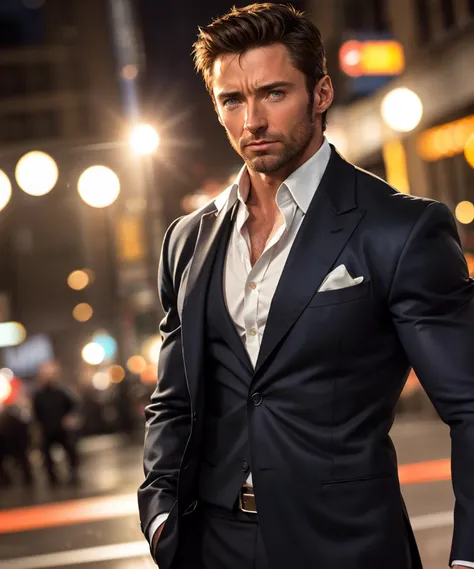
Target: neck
(263, 187)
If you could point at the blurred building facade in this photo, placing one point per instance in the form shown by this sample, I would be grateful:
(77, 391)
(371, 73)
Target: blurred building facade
(435, 159)
(62, 92)
(437, 37)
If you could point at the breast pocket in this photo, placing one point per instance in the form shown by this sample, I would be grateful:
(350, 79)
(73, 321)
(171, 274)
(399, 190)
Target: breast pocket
(339, 296)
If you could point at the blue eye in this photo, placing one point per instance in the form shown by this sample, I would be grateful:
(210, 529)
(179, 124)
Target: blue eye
(275, 94)
(230, 102)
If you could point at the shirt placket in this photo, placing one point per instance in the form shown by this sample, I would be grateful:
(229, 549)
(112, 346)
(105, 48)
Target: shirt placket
(253, 289)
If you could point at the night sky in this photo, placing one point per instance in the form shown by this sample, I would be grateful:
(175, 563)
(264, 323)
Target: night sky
(176, 96)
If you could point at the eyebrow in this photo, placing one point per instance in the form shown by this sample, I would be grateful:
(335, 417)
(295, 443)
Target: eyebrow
(261, 89)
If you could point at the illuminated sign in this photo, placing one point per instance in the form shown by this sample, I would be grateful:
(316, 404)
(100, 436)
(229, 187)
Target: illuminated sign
(371, 58)
(446, 140)
(26, 358)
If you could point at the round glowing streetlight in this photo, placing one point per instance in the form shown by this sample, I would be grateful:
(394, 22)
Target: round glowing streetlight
(144, 139)
(136, 364)
(36, 173)
(116, 374)
(465, 212)
(99, 186)
(101, 380)
(402, 109)
(5, 189)
(78, 280)
(93, 354)
(82, 312)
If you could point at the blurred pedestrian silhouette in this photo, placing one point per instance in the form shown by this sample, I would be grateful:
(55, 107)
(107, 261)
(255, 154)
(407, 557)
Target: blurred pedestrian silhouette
(15, 418)
(56, 411)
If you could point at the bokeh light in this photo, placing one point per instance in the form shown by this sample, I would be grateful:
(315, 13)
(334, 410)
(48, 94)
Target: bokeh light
(129, 72)
(107, 342)
(136, 364)
(7, 373)
(402, 109)
(5, 189)
(11, 334)
(116, 373)
(465, 212)
(5, 389)
(151, 349)
(93, 354)
(101, 380)
(78, 280)
(149, 375)
(470, 263)
(99, 186)
(36, 173)
(83, 312)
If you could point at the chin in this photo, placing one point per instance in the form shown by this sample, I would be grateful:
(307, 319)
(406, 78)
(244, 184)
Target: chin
(266, 164)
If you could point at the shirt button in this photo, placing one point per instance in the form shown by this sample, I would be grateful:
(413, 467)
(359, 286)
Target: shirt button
(244, 466)
(252, 286)
(252, 332)
(257, 399)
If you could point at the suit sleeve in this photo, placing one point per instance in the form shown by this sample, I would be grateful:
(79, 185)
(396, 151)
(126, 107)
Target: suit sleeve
(432, 305)
(168, 417)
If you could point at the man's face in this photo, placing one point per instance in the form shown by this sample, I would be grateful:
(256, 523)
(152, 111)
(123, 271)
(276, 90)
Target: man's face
(263, 103)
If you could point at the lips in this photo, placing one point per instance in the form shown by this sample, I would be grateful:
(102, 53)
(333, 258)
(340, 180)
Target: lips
(260, 145)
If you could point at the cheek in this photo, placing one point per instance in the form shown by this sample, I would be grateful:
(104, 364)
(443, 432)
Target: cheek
(287, 118)
(233, 125)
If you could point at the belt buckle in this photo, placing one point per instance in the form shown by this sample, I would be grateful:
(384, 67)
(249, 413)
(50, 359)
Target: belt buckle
(247, 501)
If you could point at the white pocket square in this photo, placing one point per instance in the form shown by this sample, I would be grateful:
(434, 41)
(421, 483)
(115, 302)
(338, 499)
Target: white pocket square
(339, 278)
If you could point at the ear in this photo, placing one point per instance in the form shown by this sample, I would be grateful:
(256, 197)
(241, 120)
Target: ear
(323, 95)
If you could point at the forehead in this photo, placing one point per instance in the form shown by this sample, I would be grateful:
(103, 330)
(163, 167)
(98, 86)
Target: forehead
(258, 66)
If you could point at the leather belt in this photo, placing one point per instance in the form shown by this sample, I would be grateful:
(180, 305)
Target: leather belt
(247, 500)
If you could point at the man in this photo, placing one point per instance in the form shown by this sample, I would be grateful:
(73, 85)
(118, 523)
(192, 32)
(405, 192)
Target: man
(296, 303)
(15, 418)
(54, 408)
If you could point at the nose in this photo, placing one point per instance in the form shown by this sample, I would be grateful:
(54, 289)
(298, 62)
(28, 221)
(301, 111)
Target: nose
(255, 120)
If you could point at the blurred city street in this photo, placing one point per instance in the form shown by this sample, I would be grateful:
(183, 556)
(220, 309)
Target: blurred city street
(109, 535)
(107, 136)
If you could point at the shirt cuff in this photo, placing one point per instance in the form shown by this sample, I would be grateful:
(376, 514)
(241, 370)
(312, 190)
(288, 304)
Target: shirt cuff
(463, 563)
(156, 523)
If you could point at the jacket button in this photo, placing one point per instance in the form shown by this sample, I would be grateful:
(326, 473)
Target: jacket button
(257, 399)
(244, 466)
(194, 416)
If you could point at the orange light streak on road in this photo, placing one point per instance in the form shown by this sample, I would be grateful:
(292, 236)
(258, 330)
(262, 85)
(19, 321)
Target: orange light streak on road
(420, 472)
(67, 513)
(110, 507)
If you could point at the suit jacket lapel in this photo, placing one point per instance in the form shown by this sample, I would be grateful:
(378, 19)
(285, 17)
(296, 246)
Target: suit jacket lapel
(194, 299)
(328, 224)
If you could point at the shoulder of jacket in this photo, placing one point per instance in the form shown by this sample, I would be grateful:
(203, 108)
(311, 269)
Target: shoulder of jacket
(391, 205)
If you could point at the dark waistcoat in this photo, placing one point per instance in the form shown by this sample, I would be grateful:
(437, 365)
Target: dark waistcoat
(225, 460)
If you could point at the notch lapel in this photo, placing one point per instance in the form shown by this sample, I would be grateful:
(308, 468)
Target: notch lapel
(194, 301)
(328, 224)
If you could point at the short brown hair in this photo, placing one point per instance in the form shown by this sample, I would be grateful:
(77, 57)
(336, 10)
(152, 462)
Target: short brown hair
(260, 25)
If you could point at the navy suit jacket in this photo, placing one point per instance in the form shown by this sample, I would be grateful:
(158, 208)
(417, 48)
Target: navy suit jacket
(323, 464)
